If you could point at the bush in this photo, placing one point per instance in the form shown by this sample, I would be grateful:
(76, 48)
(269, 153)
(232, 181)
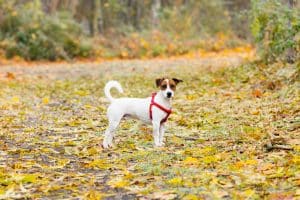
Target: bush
(275, 27)
(26, 31)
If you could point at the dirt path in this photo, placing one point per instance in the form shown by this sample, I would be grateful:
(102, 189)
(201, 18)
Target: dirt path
(73, 70)
(52, 117)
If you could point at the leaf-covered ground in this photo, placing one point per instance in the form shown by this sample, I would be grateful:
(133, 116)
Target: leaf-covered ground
(234, 132)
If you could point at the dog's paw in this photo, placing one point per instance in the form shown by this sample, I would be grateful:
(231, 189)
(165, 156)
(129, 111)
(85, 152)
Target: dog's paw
(106, 145)
(159, 144)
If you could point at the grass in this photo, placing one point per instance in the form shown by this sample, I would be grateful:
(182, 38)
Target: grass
(51, 137)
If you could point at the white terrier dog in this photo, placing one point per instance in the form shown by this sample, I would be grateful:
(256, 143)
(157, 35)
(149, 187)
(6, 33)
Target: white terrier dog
(153, 110)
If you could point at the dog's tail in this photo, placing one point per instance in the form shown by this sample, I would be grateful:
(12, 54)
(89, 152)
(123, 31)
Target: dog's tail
(108, 86)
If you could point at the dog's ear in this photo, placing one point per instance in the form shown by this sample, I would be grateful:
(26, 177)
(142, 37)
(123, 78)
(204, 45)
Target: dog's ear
(177, 80)
(158, 81)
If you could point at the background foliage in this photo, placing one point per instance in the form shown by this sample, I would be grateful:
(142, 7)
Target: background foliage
(276, 29)
(63, 29)
(29, 32)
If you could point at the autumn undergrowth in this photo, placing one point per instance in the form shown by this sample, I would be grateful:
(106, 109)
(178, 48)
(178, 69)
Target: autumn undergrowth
(217, 142)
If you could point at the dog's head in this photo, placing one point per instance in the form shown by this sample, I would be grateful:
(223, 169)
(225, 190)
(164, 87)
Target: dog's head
(167, 86)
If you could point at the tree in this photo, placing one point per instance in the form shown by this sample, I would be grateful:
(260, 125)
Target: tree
(155, 9)
(96, 12)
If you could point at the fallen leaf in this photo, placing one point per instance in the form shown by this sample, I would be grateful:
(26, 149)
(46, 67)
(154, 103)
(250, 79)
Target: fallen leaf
(257, 93)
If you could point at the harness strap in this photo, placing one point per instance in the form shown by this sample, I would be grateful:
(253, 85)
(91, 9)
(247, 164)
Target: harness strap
(153, 103)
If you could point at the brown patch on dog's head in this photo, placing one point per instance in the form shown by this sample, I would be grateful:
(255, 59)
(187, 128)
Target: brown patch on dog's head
(158, 81)
(176, 80)
(164, 82)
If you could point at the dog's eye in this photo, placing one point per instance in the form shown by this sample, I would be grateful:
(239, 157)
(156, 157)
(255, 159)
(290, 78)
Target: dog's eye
(172, 86)
(163, 87)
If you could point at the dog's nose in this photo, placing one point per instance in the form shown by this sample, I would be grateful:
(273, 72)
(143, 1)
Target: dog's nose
(169, 94)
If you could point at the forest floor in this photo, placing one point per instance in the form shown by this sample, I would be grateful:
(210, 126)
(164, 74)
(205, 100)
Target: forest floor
(233, 134)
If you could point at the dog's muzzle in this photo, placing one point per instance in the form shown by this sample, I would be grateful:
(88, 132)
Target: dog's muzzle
(169, 94)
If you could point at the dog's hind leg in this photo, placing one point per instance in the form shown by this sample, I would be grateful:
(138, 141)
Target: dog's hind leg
(110, 131)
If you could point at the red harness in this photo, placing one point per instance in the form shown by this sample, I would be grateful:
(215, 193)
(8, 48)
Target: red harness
(153, 103)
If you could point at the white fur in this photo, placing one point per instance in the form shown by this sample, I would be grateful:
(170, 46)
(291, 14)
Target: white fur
(110, 85)
(168, 90)
(137, 108)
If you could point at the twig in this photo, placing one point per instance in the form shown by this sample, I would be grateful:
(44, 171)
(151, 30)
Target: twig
(270, 147)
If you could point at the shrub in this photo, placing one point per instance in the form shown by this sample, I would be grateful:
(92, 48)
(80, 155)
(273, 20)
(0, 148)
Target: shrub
(275, 27)
(26, 31)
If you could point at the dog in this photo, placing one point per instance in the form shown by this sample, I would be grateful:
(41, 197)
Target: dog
(153, 110)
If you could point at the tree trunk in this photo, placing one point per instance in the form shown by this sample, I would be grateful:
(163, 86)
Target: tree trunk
(291, 53)
(155, 9)
(72, 6)
(101, 19)
(137, 14)
(96, 12)
(50, 6)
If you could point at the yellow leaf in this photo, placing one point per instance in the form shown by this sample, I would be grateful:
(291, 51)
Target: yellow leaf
(191, 161)
(94, 195)
(100, 164)
(92, 151)
(2, 191)
(175, 181)
(82, 92)
(70, 143)
(251, 162)
(210, 159)
(297, 148)
(29, 178)
(200, 152)
(25, 178)
(191, 96)
(88, 106)
(118, 183)
(254, 112)
(45, 100)
(62, 162)
(191, 197)
(249, 193)
(296, 160)
(207, 150)
(128, 175)
(15, 99)
(241, 164)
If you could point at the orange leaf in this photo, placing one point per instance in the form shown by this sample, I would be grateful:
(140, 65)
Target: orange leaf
(10, 75)
(257, 93)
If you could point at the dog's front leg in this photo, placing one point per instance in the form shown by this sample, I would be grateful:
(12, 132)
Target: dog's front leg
(161, 134)
(156, 127)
